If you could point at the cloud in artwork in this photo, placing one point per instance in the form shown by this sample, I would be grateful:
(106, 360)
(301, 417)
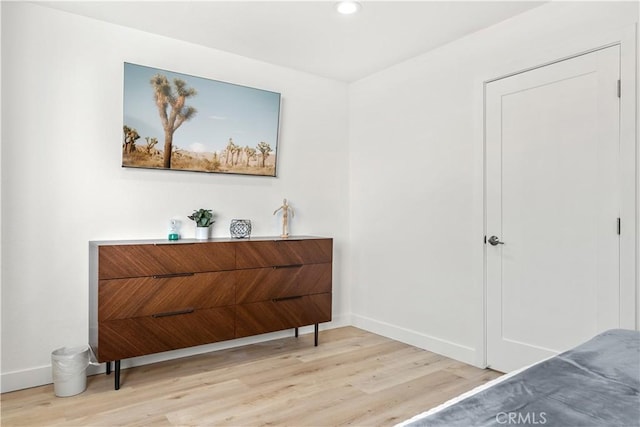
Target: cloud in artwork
(197, 147)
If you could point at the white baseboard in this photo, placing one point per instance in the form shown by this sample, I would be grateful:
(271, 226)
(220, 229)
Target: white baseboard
(41, 375)
(27, 378)
(436, 345)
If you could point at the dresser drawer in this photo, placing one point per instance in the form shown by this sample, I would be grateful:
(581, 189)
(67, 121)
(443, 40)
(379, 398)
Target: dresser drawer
(275, 315)
(254, 254)
(123, 338)
(119, 261)
(146, 296)
(261, 284)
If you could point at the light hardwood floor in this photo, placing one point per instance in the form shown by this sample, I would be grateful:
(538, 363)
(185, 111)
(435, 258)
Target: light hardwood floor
(352, 378)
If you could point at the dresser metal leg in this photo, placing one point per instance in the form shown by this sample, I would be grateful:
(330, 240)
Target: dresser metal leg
(117, 375)
(296, 332)
(109, 368)
(315, 333)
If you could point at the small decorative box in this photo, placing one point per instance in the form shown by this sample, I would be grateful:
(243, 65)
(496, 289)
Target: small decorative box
(240, 228)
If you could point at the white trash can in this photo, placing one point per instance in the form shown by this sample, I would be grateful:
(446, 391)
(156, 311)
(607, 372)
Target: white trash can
(69, 369)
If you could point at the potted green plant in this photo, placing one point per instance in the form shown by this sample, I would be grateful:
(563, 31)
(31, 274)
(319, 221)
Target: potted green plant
(203, 219)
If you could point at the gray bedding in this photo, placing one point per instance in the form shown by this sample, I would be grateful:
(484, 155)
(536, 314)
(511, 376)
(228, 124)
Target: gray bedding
(594, 384)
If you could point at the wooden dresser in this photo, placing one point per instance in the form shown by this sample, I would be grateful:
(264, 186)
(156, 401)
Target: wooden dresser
(149, 296)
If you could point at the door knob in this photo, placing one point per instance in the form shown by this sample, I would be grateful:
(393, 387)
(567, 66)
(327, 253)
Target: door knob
(493, 240)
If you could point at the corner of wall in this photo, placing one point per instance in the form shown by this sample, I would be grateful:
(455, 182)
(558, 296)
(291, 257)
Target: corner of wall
(418, 339)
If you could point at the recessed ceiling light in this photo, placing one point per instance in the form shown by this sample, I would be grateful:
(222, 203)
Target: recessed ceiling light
(348, 7)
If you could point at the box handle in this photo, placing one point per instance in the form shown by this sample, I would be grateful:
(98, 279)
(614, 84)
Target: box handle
(173, 313)
(286, 298)
(170, 275)
(278, 267)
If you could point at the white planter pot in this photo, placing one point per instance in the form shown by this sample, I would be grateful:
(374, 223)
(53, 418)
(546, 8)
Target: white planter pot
(202, 233)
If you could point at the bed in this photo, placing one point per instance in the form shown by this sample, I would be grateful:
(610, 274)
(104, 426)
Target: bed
(594, 384)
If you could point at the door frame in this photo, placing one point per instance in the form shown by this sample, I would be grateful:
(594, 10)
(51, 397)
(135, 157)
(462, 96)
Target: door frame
(626, 38)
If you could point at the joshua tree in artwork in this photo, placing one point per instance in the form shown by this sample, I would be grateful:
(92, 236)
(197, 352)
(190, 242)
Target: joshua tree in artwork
(264, 149)
(130, 137)
(250, 153)
(151, 142)
(231, 147)
(170, 101)
(238, 151)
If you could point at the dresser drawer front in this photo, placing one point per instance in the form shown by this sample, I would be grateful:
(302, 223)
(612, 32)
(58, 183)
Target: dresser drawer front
(123, 338)
(254, 254)
(276, 315)
(119, 261)
(262, 284)
(146, 296)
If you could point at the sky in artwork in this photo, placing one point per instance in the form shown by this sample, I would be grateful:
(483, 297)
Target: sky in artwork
(224, 110)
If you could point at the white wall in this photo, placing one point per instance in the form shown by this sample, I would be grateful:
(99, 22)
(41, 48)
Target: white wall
(62, 183)
(416, 203)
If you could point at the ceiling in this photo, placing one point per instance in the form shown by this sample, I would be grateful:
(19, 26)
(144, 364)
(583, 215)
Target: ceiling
(308, 36)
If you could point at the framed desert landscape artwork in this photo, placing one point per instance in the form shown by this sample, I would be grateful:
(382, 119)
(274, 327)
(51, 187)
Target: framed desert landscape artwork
(181, 122)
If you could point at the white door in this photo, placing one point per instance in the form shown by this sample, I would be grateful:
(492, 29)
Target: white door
(552, 198)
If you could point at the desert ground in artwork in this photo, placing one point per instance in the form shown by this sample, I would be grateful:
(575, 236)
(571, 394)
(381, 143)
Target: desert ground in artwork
(245, 161)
